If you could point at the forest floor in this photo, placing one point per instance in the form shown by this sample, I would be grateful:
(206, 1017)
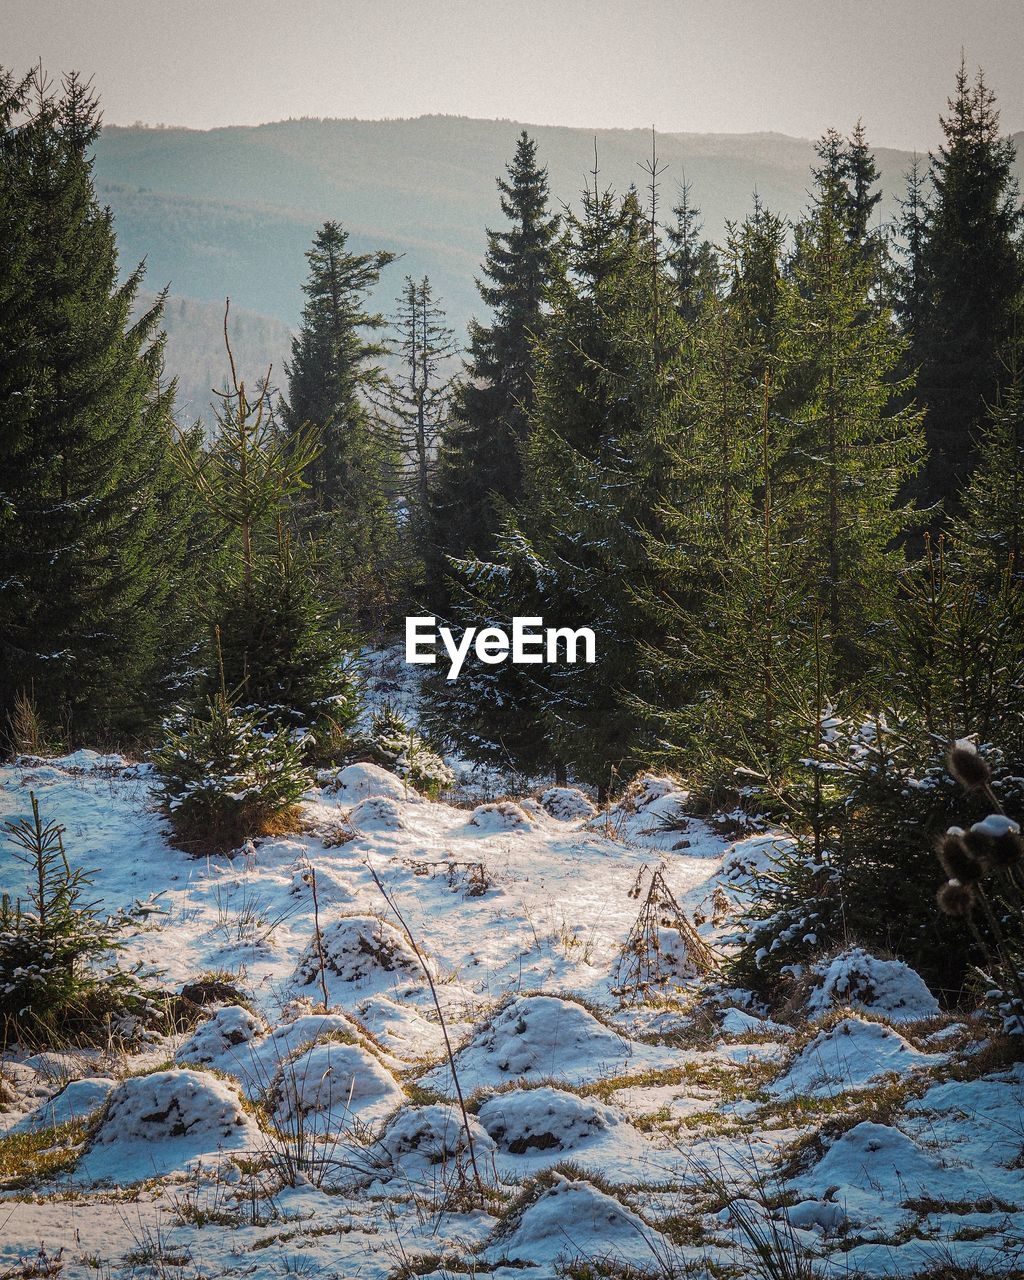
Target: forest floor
(674, 1129)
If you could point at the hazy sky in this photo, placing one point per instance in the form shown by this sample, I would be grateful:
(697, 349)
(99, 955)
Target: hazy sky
(794, 66)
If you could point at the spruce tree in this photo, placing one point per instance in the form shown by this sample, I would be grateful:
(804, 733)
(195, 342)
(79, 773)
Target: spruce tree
(335, 362)
(417, 399)
(852, 452)
(272, 647)
(862, 193)
(480, 468)
(95, 534)
(693, 260)
(722, 581)
(973, 275)
(990, 536)
(595, 462)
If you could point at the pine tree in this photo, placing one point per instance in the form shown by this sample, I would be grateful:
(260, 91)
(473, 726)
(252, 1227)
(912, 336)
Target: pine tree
(418, 399)
(272, 648)
(594, 463)
(973, 275)
(910, 288)
(480, 469)
(95, 535)
(723, 581)
(852, 452)
(335, 362)
(861, 175)
(990, 535)
(693, 260)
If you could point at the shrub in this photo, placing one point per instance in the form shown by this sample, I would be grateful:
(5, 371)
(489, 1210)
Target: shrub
(224, 777)
(393, 743)
(984, 889)
(280, 655)
(862, 870)
(58, 971)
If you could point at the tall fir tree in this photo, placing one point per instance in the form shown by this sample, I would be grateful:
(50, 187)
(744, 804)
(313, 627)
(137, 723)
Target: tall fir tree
(417, 397)
(595, 460)
(335, 361)
(480, 467)
(721, 584)
(96, 531)
(692, 259)
(852, 450)
(972, 277)
(990, 536)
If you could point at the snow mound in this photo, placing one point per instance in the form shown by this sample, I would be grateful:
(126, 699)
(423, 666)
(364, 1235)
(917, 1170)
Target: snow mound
(748, 859)
(332, 887)
(572, 1219)
(545, 1119)
(377, 813)
(216, 1041)
(254, 1055)
(76, 1101)
(650, 788)
(542, 1037)
(359, 781)
(735, 1022)
(503, 815)
(324, 1088)
(567, 803)
(853, 1054)
(431, 1136)
(363, 950)
(400, 1028)
(163, 1123)
(873, 1165)
(859, 980)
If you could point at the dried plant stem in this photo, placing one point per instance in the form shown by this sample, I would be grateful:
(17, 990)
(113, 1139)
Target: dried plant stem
(444, 1026)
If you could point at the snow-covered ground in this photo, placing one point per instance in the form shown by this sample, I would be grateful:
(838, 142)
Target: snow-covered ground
(666, 1129)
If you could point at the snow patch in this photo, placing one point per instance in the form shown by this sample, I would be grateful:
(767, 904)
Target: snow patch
(536, 1037)
(165, 1122)
(567, 804)
(360, 781)
(326, 1087)
(76, 1101)
(363, 951)
(502, 815)
(377, 813)
(524, 1121)
(853, 1054)
(573, 1219)
(856, 979)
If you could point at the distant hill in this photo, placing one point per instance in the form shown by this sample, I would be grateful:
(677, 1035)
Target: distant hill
(232, 211)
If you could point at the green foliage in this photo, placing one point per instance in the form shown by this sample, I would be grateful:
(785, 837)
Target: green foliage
(334, 363)
(283, 659)
(393, 743)
(224, 778)
(872, 799)
(57, 953)
(991, 532)
(479, 468)
(94, 557)
(272, 642)
(606, 386)
(418, 399)
(969, 276)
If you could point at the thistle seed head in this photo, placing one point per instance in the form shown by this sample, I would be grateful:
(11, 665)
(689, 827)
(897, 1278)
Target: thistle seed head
(1003, 844)
(956, 899)
(966, 766)
(958, 862)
